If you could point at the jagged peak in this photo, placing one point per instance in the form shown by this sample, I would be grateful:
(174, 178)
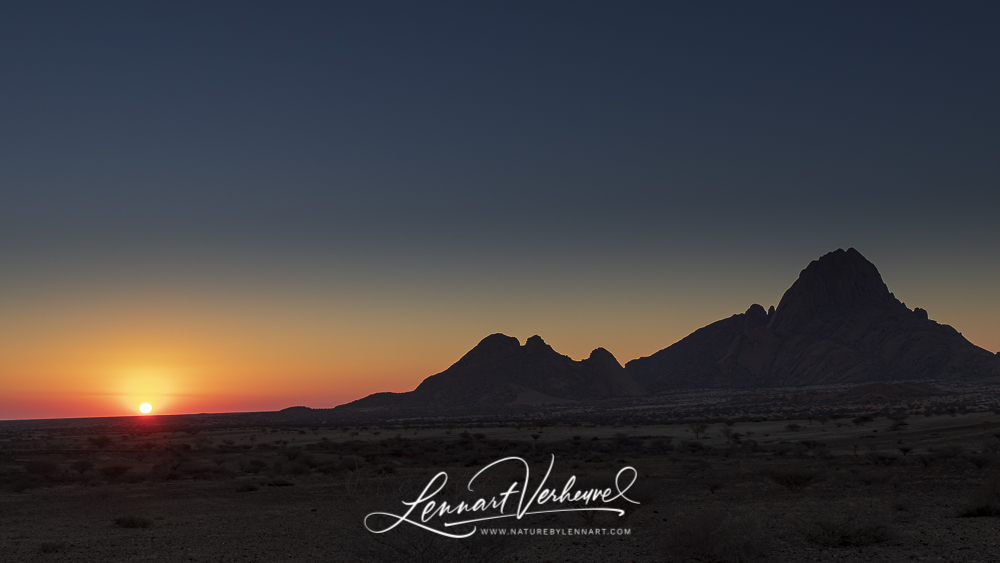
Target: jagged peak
(600, 354)
(499, 337)
(536, 344)
(492, 346)
(756, 315)
(841, 280)
(534, 340)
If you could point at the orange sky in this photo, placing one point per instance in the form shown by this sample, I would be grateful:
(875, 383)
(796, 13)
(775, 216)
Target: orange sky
(215, 345)
(315, 201)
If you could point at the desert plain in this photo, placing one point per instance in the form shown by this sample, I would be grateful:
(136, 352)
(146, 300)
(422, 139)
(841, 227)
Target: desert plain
(808, 474)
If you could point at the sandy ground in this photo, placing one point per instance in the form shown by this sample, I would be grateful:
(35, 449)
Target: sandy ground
(858, 505)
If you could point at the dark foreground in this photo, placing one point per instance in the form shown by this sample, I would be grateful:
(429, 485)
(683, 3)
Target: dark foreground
(920, 486)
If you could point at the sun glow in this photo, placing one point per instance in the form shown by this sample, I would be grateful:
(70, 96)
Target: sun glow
(146, 386)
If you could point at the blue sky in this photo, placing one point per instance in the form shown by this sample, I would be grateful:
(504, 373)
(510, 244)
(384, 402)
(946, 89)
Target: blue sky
(602, 174)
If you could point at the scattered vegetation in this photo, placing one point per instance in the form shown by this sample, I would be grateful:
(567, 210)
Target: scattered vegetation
(852, 531)
(985, 501)
(133, 522)
(794, 481)
(52, 547)
(717, 536)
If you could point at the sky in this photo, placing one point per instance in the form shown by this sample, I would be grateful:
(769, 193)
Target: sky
(219, 207)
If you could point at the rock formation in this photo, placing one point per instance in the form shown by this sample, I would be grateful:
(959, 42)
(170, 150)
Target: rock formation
(500, 371)
(837, 323)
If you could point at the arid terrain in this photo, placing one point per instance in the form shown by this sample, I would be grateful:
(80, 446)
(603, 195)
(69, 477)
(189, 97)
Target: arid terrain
(789, 475)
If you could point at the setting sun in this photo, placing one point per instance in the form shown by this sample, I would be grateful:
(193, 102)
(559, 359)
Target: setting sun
(145, 408)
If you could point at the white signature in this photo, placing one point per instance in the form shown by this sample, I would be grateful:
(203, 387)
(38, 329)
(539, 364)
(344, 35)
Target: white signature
(543, 500)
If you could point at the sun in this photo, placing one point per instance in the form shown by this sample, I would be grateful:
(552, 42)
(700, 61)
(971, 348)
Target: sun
(145, 408)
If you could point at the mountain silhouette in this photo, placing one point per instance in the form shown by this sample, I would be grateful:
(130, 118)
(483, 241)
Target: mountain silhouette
(500, 371)
(837, 323)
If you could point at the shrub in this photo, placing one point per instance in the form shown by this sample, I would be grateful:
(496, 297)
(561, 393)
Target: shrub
(852, 532)
(329, 468)
(992, 446)
(297, 468)
(794, 481)
(51, 547)
(100, 442)
(948, 452)
(41, 467)
(255, 466)
(81, 465)
(985, 501)
(692, 447)
(662, 444)
(133, 522)
(715, 536)
(882, 458)
(980, 461)
(698, 429)
(23, 483)
(114, 471)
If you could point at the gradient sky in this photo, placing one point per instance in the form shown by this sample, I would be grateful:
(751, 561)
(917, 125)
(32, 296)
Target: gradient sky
(247, 206)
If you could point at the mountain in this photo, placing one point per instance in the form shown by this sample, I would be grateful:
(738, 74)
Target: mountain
(500, 371)
(837, 323)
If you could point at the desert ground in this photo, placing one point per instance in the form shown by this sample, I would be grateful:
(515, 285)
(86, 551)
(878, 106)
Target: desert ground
(778, 476)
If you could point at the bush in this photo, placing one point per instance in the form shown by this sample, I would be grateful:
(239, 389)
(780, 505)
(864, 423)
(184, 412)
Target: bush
(41, 467)
(133, 522)
(100, 442)
(23, 483)
(81, 465)
(114, 471)
(297, 468)
(875, 477)
(693, 447)
(52, 547)
(255, 466)
(980, 461)
(716, 536)
(852, 532)
(948, 452)
(794, 481)
(662, 444)
(985, 501)
(882, 458)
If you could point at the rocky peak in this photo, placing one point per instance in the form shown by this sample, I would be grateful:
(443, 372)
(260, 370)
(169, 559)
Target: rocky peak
(839, 282)
(536, 344)
(602, 356)
(490, 348)
(755, 316)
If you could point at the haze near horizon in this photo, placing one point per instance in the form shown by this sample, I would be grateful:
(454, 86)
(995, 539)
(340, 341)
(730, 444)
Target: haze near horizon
(249, 206)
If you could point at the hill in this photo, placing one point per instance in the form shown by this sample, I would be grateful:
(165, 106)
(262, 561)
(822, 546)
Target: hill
(500, 371)
(838, 323)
